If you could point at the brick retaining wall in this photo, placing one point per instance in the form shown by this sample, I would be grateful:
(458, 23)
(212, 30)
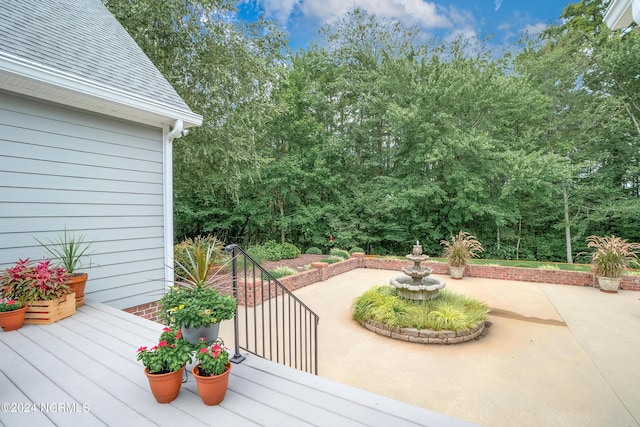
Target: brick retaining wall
(321, 271)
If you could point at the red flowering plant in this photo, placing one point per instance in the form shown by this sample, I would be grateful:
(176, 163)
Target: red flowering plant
(170, 354)
(213, 358)
(7, 304)
(31, 281)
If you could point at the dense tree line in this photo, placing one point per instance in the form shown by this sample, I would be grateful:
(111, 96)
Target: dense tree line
(378, 138)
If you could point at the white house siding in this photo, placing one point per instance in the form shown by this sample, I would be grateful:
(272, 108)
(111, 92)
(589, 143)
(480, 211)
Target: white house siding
(67, 169)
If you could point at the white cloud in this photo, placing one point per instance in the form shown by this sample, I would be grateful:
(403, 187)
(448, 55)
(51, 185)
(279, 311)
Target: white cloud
(423, 13)
(464, 23)
(281, 10)
(534, 30)
(497, 4)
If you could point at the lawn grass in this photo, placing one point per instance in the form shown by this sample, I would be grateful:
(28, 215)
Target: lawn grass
(522, 264)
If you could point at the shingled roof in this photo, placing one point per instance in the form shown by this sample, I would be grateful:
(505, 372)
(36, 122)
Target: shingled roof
(78, 46)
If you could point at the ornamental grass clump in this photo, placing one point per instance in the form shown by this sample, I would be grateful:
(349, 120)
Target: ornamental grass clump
(461, 248)
(612, 255)
(449, 311)
(340, 253)
(68, 250)
(170, 354)
(213, 359)
(282, 271)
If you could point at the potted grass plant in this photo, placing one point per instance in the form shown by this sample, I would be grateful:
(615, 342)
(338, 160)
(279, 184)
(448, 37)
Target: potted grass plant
(192, 303)
(610, 258)
(459, 250)
(69, 251)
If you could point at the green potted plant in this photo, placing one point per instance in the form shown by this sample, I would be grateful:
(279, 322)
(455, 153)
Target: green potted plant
(212, 371)
(42, 286)
(164, 364)
(69, 251)
(459, 250)
(11, 314)
(610, 258)
(192, 303)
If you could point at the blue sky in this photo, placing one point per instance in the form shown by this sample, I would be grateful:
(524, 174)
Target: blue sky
(504, 20)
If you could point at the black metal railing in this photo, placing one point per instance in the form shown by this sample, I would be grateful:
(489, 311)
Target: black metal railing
(270, 321)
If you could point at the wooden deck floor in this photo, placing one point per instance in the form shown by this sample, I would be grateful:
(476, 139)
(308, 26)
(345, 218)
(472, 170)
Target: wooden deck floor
(83, 371)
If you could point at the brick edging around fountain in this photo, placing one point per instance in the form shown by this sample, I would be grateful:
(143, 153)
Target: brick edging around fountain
(426, 336)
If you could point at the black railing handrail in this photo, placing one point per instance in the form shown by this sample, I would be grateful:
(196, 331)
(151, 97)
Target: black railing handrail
(286, 318)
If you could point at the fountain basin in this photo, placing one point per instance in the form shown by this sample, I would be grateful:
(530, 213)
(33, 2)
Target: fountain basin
(426, 290)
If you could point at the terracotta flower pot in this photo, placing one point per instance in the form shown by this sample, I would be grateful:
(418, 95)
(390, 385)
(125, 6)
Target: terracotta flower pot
(212, 389)
(165, 387)
(12, 320)
(77, 283)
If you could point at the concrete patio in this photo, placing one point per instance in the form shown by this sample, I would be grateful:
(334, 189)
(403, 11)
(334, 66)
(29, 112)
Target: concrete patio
(554, 355)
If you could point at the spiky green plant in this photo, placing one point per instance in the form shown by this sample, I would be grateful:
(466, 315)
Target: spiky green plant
(68, 250)
(612, 255)
(461, 248)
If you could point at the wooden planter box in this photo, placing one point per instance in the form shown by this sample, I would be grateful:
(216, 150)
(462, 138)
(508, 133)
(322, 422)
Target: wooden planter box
(47, 312)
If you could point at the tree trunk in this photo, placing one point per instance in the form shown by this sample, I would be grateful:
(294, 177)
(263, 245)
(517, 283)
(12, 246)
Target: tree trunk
(518, 241)
(567, 227)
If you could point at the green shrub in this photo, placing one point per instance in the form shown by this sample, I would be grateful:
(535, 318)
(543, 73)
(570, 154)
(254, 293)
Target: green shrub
(314, 250)
(339, 252)
(271, 250)
(289, 251)
(274, 251)
(255, 252)
(356, 249)
(332, 259)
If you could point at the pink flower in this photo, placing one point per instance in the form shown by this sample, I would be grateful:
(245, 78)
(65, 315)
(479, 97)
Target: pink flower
(162, 343)
(143, 348)
(203, 350)
(165, 329)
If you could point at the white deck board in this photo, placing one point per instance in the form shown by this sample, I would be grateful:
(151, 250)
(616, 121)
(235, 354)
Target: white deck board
(90, 358)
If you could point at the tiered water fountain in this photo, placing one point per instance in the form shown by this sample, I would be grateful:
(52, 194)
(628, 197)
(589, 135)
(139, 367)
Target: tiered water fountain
(416, 285)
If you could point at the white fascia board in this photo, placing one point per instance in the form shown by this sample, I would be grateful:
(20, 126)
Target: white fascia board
(618, 15)
(40, 81)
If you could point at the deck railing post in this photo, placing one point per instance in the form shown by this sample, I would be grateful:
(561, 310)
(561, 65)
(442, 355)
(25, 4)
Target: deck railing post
(237, 357)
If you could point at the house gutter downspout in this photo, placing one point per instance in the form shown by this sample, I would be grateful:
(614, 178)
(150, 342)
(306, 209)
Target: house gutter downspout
(167, 180)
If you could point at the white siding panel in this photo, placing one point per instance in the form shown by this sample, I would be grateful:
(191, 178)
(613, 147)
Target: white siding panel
(66, 169)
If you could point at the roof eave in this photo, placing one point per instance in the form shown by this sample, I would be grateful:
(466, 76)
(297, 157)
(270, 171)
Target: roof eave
(29, 78)
(619, 14)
